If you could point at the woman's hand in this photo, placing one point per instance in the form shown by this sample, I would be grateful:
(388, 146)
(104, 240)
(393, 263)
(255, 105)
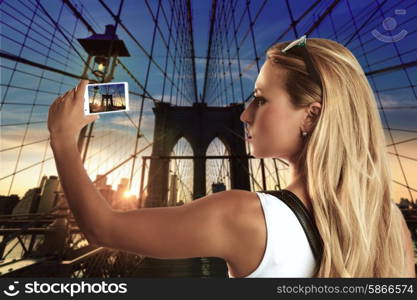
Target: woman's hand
(66, 114)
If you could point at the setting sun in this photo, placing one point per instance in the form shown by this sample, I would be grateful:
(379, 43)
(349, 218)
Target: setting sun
(128, 193)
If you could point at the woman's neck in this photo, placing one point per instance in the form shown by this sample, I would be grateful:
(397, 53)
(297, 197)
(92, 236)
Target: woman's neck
(296, 176)
(298, 186)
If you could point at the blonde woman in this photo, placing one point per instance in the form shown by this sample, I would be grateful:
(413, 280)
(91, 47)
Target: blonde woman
(313, 107)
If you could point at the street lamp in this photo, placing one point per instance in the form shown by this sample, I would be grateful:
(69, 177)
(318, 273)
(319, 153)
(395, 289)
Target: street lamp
(101, 63)
(104, 48)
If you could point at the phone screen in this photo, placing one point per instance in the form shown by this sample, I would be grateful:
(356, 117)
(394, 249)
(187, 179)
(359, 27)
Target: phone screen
(106, 98)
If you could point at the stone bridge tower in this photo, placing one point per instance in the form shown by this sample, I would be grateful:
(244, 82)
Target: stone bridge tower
(199, 125)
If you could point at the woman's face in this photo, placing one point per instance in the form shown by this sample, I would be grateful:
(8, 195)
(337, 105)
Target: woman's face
(272, 121)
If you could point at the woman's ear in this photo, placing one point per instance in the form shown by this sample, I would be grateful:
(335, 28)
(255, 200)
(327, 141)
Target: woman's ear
(312, 113)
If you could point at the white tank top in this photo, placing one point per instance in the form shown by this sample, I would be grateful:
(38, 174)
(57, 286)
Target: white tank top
(288, 252)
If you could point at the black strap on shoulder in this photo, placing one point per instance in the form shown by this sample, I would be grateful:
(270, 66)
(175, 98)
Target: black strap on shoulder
(305, 219)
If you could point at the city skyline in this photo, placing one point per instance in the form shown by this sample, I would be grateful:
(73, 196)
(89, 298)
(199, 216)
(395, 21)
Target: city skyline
(49, 194)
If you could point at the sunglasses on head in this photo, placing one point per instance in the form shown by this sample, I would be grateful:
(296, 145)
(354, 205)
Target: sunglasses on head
(303, 53)
(301, 44)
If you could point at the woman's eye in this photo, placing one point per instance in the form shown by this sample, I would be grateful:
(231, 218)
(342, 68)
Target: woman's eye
(256, 100)
(259, 100)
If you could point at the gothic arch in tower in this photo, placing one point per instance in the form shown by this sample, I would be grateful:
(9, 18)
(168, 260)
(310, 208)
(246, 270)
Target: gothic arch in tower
(199, 125)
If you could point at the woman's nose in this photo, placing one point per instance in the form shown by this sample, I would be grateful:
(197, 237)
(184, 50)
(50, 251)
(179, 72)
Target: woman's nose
(244, 116)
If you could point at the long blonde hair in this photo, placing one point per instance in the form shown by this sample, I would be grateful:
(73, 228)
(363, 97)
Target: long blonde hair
(345, 166)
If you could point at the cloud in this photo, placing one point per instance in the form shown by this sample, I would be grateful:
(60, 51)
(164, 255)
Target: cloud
(122, 123)
(388, 100)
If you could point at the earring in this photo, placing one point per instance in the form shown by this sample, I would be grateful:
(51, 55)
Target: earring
(304, 133)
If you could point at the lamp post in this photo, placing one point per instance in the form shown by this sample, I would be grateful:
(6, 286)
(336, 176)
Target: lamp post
(103, 52)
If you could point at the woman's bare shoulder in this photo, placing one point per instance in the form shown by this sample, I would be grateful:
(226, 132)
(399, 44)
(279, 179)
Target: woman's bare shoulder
(242, 203)
(233, 200)
(245, 214)
(248, 238)
(241, 208)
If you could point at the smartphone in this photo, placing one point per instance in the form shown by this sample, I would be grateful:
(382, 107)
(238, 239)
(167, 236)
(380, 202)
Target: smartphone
(101, 98)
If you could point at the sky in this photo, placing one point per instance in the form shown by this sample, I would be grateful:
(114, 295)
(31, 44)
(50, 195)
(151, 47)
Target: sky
(28, 32)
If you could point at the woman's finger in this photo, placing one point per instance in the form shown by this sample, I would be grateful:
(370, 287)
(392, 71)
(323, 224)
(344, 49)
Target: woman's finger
(64, 97)
(71, 94)
(80, 89)
(59, 98)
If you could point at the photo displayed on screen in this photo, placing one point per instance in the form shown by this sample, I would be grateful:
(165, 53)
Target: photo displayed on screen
(107, 97)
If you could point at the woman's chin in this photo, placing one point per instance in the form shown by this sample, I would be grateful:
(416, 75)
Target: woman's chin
(257, 154)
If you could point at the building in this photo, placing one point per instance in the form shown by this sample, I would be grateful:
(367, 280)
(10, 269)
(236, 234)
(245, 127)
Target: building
(121, 199)
(49, 189)
(29, 202)
(218, 187)
(405, 203)
(7, 203)
(105, 189)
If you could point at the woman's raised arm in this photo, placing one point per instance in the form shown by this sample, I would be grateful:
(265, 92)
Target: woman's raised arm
(89, 207)
(204, 227)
